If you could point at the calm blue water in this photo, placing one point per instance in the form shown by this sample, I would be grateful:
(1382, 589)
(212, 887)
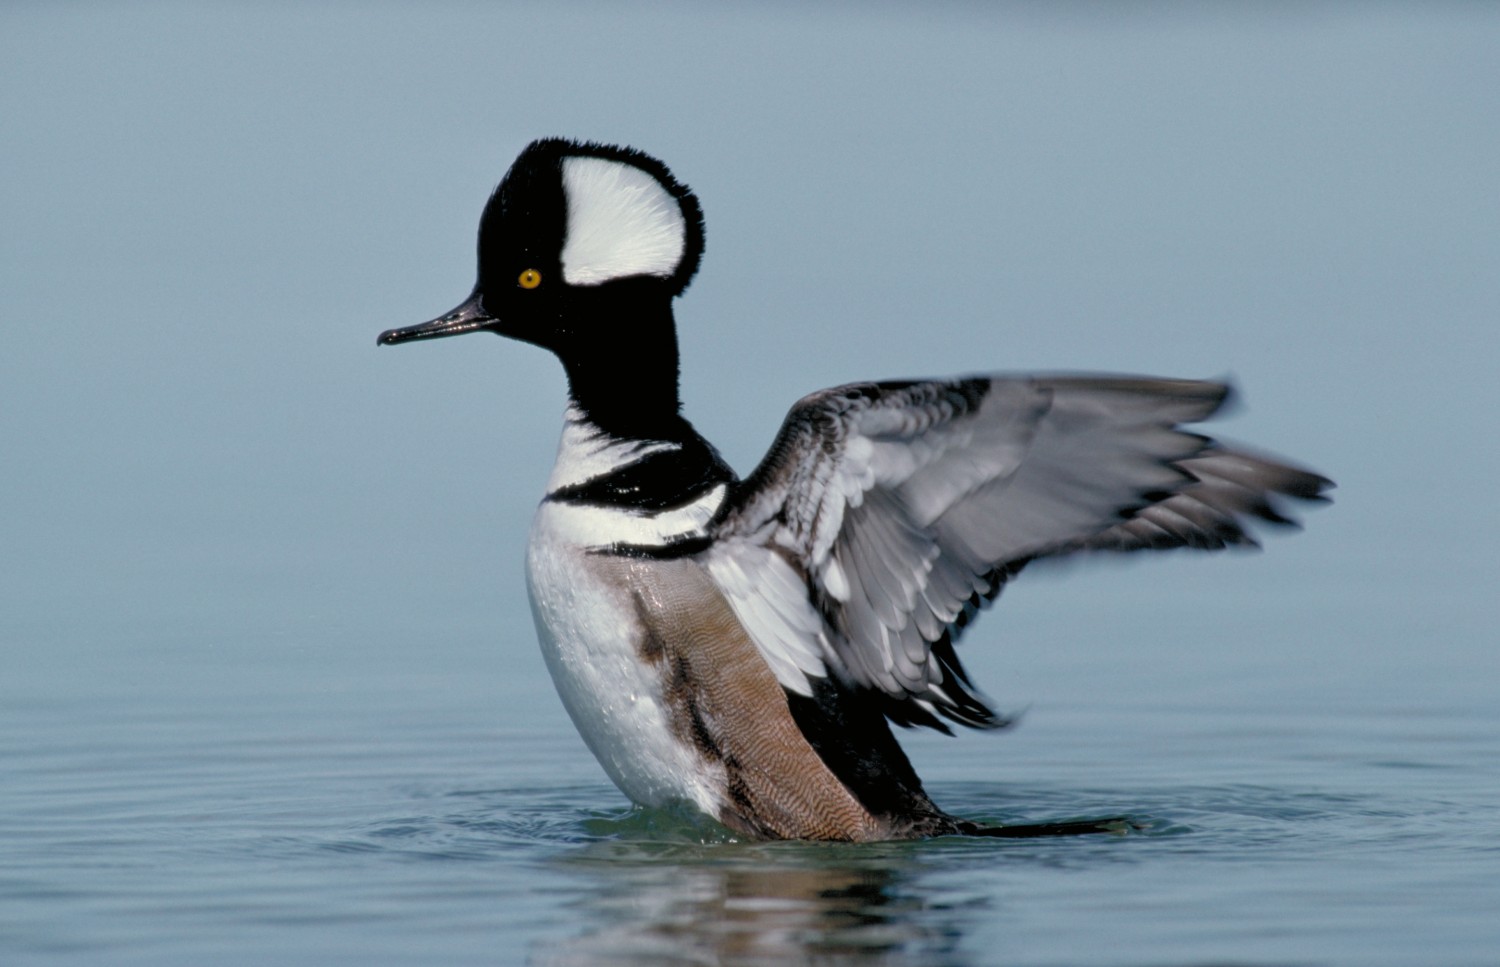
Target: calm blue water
(306, 814)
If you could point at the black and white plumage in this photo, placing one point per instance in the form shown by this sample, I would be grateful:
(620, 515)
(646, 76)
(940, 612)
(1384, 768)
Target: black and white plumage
(744, 645)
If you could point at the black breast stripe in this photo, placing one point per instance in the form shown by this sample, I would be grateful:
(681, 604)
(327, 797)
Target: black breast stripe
(683, 547)
(662, 481)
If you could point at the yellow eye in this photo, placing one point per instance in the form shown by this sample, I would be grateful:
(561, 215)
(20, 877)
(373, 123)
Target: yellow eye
(530, 279)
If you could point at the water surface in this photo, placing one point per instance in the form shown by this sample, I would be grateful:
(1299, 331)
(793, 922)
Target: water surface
(410, 822)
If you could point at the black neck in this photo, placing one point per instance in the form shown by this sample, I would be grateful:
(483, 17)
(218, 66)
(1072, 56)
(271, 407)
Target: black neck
(622, 367)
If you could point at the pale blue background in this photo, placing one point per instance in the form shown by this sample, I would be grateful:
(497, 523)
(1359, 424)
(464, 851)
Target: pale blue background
(227, 513)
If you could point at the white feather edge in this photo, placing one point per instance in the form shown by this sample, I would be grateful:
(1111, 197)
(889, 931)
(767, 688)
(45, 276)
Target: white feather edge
(770, 600)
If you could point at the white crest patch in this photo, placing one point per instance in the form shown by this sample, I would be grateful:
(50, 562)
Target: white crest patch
(621, 222)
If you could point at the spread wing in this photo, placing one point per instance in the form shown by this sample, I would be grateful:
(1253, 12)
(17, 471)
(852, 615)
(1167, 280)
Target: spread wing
(887, 514)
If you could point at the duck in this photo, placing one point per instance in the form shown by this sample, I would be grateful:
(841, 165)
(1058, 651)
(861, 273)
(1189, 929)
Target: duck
(743, 646)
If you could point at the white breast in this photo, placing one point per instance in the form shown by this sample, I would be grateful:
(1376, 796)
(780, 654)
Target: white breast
(590, 634)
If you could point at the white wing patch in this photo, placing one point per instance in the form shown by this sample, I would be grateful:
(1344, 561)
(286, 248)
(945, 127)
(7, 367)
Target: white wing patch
(621, 222)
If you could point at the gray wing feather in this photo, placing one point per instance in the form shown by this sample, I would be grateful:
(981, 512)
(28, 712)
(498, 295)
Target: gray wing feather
(904, 508)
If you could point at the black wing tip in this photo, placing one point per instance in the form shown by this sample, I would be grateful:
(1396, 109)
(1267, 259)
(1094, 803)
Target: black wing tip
(1311, 486)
